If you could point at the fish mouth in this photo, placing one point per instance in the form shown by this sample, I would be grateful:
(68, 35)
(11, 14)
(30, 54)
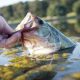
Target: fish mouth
(33, 21)
(29, 21)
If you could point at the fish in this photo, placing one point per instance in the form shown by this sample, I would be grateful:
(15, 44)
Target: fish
(40, 38)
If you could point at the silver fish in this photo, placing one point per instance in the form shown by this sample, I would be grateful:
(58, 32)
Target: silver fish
(46, 39)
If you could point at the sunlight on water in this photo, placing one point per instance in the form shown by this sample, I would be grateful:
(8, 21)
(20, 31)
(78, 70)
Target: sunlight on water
(4, 59)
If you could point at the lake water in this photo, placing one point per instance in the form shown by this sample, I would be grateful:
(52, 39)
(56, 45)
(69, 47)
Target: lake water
(70, 66)
(4, 59)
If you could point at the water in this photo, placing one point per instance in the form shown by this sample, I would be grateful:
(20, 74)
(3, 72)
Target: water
(71, 66)
(75, 54)
(64, 70)
(69, 69)
(4, 59)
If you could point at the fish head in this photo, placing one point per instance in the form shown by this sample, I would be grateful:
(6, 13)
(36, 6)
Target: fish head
(33, 22)
(39, 41)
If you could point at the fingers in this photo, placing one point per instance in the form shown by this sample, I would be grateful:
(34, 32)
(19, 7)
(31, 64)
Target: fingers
(4, 26)
(13, 40)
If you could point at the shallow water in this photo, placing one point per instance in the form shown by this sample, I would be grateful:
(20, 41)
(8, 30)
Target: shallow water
(4, 59)
(70, 69)
(65, 70)
(7, 55)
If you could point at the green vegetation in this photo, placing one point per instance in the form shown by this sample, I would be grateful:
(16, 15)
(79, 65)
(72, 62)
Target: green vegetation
(67, 13)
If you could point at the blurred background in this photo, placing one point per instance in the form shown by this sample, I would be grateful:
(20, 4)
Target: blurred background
(63, 14)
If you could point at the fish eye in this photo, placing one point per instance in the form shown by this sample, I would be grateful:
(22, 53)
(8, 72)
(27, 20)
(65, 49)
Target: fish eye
(39, 21)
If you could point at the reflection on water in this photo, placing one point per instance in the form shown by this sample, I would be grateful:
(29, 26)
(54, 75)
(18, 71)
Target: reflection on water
(66, 70)
(75, 54)
(70, 69)
(7, 54)
(4, 59)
